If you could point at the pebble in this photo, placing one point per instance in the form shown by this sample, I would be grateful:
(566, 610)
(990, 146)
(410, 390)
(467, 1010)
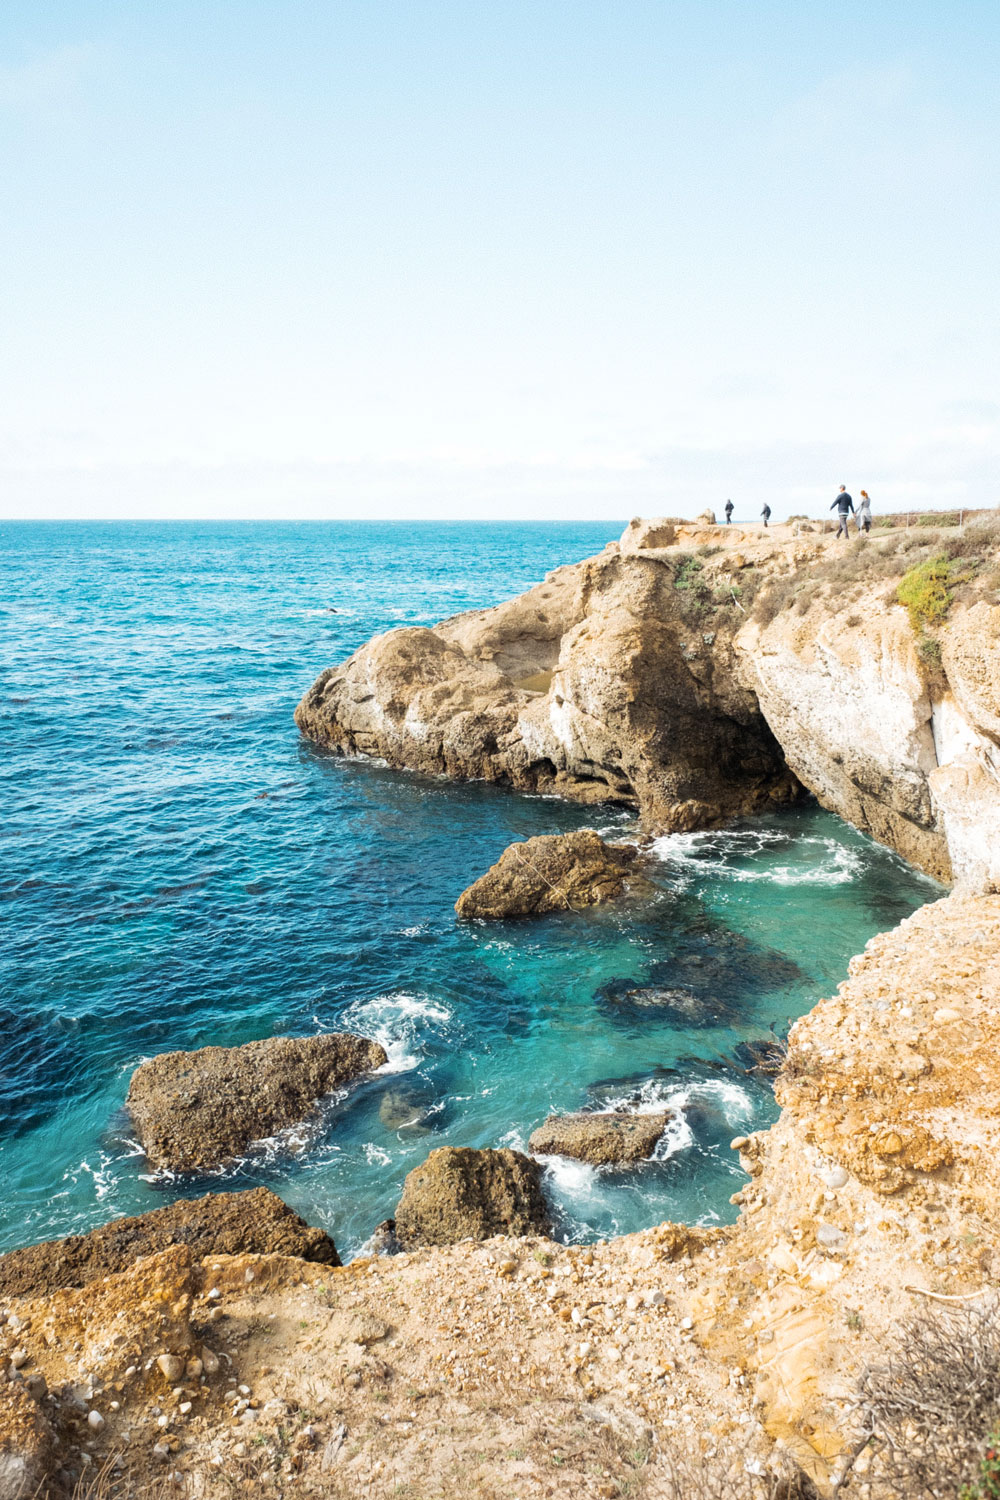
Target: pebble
(36, 1386)
(19, 1358)
(687, 1323)
(834, 1178)
(161, 1450)
(244, 1390)
(210, 1362)
(95, 1421)
(193, 1368)
(171, 1367)
(830, 1237)
(184, 1408)
(214, 1294)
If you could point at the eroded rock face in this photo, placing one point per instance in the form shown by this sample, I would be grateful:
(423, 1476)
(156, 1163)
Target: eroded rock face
(554, 872)
(254, 1222)
(194, 1110)
(459, 1193)
(601, 1138)
(25, 1443)
(909, 756)
(600, 684)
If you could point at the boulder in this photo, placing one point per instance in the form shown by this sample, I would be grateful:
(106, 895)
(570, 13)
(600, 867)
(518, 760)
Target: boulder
(640, 535)
(603, 1138)
(194, 1110)
(254, 1222)
(406, 1109)
(554, 872)
(459, 1193)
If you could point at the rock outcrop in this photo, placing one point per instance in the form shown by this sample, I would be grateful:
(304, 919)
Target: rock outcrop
(195, 1110)
(650, 675)
(601, 1138)
(604, 683)
(459, 1193)
(554, 872)
(254, 1222)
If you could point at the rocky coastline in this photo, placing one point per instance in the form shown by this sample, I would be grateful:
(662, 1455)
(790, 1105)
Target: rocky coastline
(696, 673)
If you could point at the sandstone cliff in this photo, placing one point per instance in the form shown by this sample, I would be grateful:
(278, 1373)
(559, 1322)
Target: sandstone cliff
(700, 672)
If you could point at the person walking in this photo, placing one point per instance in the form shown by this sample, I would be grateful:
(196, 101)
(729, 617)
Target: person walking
(766, 513)
(729, 512)
(865, 513)
(845, 507)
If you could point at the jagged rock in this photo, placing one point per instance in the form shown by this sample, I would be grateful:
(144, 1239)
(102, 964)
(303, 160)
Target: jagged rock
(555, 872)
(195, 1110)
(254, 1222)
(640, 535)
(597, 685)
(459, 1193)
(600, 1138)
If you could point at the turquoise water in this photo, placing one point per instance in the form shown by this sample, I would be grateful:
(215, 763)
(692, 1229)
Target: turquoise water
(180, 868)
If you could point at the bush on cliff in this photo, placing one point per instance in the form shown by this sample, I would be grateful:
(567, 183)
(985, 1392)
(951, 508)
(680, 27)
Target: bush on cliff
(926, 592)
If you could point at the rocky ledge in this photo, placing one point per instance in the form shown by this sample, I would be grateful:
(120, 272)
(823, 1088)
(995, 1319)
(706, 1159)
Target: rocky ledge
(196, 1110)
(697, 672)
(554, 872)
(601, 1138)
(255, 1222)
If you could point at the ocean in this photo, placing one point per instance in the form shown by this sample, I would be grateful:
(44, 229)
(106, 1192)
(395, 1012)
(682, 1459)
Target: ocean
(180, 868)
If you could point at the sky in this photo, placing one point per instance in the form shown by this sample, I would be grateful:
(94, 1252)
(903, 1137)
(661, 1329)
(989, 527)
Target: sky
(568, 259)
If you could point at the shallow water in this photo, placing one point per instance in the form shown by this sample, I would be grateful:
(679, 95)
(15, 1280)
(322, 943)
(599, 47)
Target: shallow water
(179, 868)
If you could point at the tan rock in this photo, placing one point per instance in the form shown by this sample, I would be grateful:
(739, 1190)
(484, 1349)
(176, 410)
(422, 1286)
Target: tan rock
(459, 1193)
(601, 1138)
(554, 872)
(194, 1110)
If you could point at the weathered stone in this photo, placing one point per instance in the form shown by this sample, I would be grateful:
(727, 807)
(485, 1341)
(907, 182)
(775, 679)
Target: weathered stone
(459, 1193)
(254, 1222)
(596, 685)
(600, 1138)
(555, 872)
(194, 1110)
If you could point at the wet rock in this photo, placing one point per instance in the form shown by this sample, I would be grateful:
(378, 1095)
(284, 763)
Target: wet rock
(254, 1222)
(382, 1240)
(194, 1110)
(600, 1138)
(762, 1055)
(460, 1193)
(555, 872)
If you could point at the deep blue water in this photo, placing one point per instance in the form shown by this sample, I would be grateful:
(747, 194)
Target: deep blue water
(180, 868)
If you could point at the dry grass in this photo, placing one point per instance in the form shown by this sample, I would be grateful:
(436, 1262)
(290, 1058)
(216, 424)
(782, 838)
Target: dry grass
(934, 1403)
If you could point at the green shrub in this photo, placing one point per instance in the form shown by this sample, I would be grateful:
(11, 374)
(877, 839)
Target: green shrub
(926, 593)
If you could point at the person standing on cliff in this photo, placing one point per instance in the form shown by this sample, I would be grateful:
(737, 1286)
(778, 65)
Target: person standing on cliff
(766, 513)
(845, 507)
(865, 513)
(729, 512)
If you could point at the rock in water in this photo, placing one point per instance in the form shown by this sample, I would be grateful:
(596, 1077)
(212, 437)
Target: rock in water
(600, 1138)
(194, 1110)
(252, 1223)
(459, 1193)
(555, 872)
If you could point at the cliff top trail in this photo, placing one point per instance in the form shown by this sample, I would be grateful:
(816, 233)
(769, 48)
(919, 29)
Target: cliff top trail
(698, 672)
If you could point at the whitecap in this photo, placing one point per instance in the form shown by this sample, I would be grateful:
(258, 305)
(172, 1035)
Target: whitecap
(398, 1022)
(376, 1156)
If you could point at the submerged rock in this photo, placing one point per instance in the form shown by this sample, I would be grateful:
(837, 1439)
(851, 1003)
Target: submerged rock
(194, 1110)
(600, 1138)
(459, 1193)
(554, 872)
(406, 1109)
(254, 1222)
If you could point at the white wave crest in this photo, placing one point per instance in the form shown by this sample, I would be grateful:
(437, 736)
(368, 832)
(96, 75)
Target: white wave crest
(713, 852)
(398, 1022)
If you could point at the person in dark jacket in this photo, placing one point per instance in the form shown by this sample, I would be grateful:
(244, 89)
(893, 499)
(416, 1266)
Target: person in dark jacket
(729, 512)
(766, 513)
(845, 507)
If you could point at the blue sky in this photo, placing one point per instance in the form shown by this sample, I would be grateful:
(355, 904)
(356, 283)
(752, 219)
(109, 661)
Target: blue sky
(565, 258)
